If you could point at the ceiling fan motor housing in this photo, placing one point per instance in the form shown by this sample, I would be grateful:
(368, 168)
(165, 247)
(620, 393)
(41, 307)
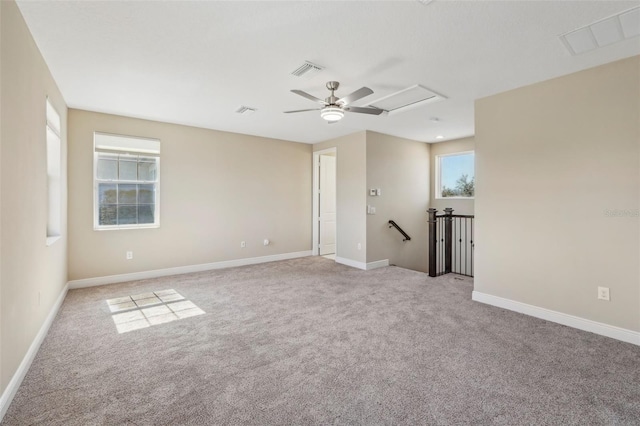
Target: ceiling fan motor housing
(333, 85)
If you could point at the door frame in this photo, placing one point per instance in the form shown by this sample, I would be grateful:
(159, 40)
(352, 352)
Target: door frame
(316, 201)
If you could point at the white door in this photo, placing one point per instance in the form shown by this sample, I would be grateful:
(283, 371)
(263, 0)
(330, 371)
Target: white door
(327, 205)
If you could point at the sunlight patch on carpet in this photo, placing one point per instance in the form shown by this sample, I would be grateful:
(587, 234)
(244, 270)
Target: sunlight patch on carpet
(146, 309)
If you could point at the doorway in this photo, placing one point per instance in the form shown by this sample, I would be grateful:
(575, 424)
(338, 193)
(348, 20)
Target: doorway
(324, 203)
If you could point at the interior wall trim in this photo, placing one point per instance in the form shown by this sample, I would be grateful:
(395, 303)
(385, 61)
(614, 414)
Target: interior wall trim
(362, 265)
(377, 264)
(18, 376)
(584, 324)
(352, 263)
(134, 276)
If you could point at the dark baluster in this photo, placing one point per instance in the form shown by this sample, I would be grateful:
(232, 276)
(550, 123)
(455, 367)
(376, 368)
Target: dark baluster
(448, 239)
(472, 247)
(432, 242)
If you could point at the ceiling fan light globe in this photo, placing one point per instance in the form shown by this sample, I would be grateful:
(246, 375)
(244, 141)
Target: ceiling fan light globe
(332, 113)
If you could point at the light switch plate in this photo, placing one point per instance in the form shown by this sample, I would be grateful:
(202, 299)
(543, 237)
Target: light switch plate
(603, 293)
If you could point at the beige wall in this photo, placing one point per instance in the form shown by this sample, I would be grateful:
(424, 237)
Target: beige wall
(551, 160)
(460, 206)
(351, 198)
(400, 168)
(32, 275)
(216, 190)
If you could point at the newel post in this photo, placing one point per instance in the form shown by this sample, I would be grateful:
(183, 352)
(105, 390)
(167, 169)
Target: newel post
(432, 242)
(448, 236)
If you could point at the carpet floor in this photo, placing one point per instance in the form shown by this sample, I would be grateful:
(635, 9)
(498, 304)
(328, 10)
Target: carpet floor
(308, 341)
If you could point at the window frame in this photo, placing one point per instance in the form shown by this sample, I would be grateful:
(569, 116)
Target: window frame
(438, 175)
(96, 182)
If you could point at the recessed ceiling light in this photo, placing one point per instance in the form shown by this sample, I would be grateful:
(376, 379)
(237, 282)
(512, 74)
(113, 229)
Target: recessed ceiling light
(439, 137)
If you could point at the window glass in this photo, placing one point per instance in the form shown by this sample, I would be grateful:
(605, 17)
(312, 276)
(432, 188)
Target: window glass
(126, 183)
(146, 213)
(127, 214)
(145, 194)
(146, 171)
(127, 194)
(107, 169)
(128, 170)
(456, 175)
(53, 131)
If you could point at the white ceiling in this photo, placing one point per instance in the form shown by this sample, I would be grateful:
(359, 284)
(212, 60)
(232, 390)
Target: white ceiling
(195, 63)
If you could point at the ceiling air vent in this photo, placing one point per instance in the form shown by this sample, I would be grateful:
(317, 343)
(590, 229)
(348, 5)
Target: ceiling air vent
(411, 97)
(245, 110)
(307, 69)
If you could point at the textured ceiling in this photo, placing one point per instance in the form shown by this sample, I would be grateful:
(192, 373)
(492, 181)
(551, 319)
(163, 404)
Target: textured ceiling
(195, 63)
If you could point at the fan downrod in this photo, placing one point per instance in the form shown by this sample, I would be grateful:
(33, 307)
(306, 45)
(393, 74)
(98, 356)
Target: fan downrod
(333, 86)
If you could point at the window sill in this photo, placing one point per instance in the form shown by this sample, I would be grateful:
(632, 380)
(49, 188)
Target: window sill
(455, 198)
(52, 239)
(124, 228)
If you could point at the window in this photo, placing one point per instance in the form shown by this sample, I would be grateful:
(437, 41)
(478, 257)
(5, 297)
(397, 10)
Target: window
(126, 182)
(455, 175)
(54, 184)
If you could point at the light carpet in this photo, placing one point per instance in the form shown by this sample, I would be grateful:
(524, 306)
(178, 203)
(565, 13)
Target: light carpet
(308, 341)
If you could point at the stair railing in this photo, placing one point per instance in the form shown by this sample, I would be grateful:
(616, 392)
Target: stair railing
(406, 236)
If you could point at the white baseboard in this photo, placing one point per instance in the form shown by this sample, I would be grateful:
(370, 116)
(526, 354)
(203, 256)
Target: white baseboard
(352, 263)
(377, 264)
(602, 329)
(134, 276)
(18, 376)
(362, 265)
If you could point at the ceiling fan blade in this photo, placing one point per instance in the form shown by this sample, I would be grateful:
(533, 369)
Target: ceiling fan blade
(308, 96)
(303, 110)
(363, 110)
(358, 94)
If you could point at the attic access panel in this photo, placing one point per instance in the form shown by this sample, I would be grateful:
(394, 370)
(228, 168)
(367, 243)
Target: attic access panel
(409, 98)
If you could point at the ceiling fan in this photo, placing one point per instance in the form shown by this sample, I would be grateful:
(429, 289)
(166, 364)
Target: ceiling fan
(333, 108)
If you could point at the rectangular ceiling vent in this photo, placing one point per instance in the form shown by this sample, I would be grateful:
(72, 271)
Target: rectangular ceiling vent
(245, 110)
(409, 98)
(604, 32)
(307, 69)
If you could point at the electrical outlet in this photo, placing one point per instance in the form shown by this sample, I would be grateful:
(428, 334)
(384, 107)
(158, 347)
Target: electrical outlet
(372, 192)
(378, 192)
(359, 246)
(129, 255)
(603, 293)
(243, 244)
